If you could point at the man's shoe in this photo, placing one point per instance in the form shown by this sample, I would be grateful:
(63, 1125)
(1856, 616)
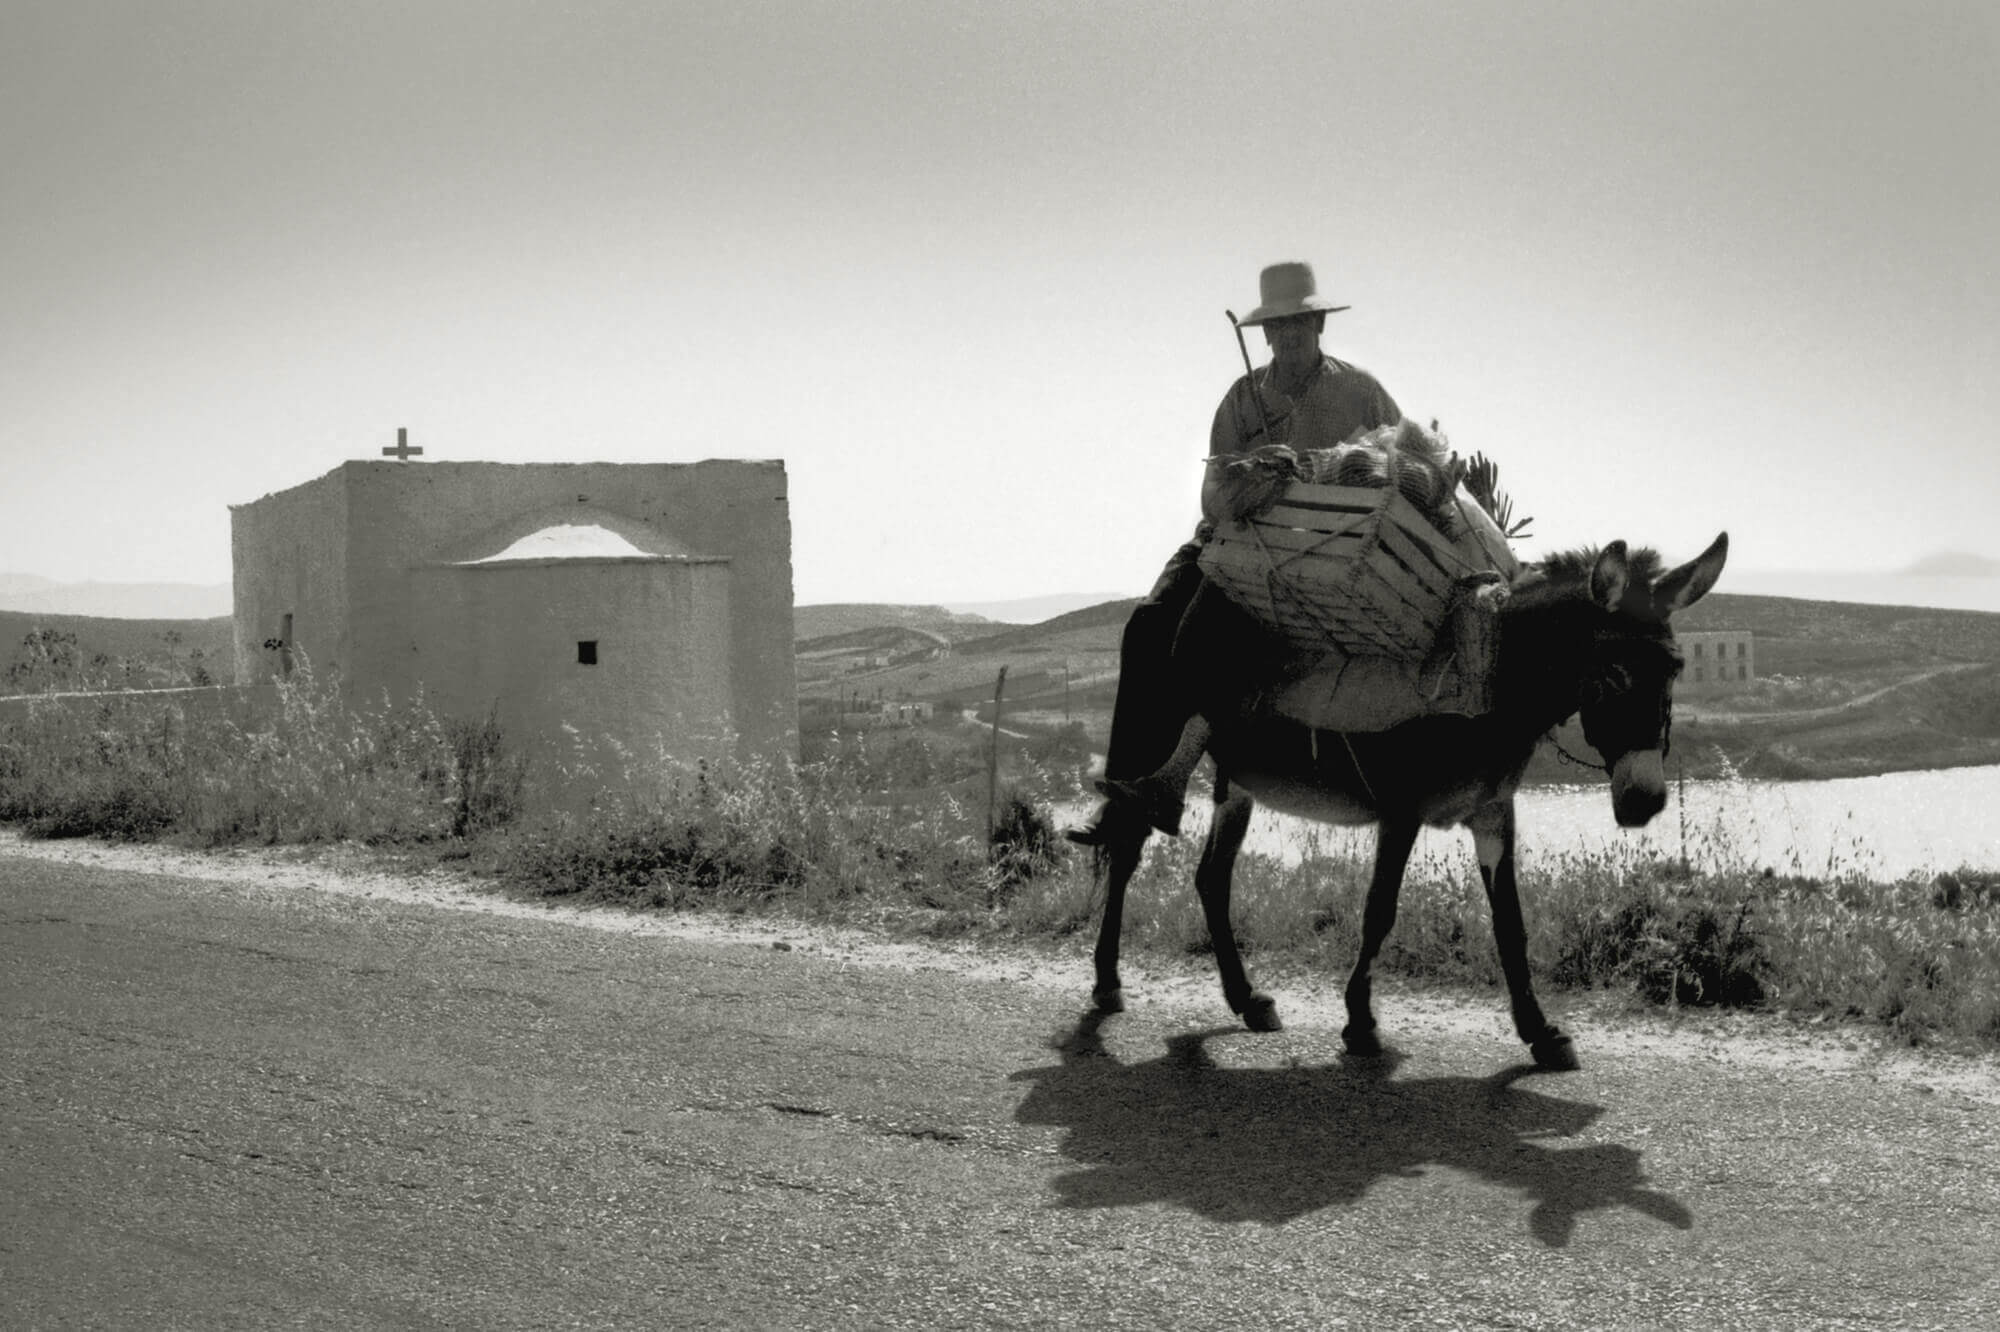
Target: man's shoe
(1111, 823)
(1153, 798)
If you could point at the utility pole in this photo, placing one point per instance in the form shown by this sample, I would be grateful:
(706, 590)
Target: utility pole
(993, 758)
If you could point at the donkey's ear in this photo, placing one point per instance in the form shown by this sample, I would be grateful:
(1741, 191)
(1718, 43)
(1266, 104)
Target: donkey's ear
(1608, 576)
(1688, 584)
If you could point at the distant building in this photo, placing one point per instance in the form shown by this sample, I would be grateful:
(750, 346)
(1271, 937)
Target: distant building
(649, 604)
(852, 712)
(1717, 658)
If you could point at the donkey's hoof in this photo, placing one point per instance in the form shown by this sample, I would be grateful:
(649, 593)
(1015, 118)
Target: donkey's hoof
(1361, 1042)
(1109, 1001)
(1260, 1013)
(1556, 1053)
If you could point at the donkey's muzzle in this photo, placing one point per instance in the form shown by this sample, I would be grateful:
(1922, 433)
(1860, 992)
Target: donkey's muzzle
(1638, 787)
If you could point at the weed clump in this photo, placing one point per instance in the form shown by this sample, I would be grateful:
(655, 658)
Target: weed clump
(308, 766)
(814, 839)
(892, 832)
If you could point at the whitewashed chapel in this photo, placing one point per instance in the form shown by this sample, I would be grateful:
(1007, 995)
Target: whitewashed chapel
(648, 604)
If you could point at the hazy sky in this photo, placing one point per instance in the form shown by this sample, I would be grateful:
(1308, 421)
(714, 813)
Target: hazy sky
(1677, 266)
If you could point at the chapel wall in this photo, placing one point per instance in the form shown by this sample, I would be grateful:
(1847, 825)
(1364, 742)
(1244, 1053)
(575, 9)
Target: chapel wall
(288, 556)
(655, 680)
(357, 555)
(738, 510)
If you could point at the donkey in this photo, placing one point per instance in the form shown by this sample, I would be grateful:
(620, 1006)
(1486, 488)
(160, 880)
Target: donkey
(1583, 632)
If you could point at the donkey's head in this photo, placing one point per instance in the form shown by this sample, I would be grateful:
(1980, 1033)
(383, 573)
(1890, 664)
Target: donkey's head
(1626, 700)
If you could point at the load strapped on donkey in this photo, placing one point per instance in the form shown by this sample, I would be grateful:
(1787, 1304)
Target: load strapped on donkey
(1382, 563)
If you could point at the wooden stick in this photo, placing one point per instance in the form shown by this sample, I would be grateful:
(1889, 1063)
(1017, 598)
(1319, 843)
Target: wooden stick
(993, 759)
(1249, 375)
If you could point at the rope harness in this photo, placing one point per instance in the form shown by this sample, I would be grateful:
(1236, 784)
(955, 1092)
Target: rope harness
(1666, 742)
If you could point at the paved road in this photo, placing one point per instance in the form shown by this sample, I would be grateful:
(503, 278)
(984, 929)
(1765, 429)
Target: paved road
(251, 1104)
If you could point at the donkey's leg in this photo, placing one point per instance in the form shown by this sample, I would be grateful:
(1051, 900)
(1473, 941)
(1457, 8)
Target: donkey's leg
(1160, 794)
(1493, 839)
(1117, 862)
(1212, 881)
(1394, 836)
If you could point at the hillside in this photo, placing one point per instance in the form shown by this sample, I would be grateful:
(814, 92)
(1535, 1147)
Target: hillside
(35, 595)
(1899, 633)
(120, 653)
(1844, 688)
(837, 618)
(1089, 629)
(1955, 564)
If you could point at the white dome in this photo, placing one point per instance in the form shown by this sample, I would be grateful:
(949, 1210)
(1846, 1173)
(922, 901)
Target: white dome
(567, 541)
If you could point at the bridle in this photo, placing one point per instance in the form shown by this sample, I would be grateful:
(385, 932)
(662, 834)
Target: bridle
(1596, 690)
(1567, 757)
(1562, 753)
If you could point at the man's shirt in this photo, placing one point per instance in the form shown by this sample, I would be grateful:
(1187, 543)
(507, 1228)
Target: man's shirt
(1338, 400)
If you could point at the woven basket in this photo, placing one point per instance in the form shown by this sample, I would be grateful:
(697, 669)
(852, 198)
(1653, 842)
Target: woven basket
(1353, 568)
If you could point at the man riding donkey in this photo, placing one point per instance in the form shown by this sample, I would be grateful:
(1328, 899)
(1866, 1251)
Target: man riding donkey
(1303, 399)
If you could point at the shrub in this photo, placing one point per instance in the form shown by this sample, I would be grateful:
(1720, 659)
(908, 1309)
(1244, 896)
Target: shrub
(735, 833)
(1024, 843)
(486, 781)
(311, 767)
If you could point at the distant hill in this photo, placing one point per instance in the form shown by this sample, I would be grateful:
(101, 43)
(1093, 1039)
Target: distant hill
(881, 638)
(1092, 627)
(1936, 671)
(1813, 628)
(956, 621)
(1034, 610)
(117, 643)
(133, 601)
(1954, 564)
(1940, 591)
(834, 618)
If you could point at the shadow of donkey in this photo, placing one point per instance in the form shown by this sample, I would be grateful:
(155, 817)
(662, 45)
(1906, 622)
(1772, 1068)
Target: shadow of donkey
(1272, 1145)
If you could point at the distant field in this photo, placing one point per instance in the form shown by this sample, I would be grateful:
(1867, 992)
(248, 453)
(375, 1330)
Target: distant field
(1832, 639)
(156, 648)
(1810, 655)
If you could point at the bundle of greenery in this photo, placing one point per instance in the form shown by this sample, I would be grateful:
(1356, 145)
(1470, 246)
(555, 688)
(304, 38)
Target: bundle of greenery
(1417, 462)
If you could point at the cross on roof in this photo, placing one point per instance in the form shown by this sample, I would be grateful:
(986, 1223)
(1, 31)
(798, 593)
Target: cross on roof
(404, 450)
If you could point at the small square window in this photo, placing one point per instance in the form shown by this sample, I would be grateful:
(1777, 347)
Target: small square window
(586, 652)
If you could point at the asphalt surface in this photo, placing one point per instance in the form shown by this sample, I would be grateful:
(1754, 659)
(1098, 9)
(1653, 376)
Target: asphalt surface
(255, 1104)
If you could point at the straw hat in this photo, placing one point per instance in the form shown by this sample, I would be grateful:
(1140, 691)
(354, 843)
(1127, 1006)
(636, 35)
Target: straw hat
(1288, 289)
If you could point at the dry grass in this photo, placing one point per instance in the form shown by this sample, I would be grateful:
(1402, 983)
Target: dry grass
(892, 834)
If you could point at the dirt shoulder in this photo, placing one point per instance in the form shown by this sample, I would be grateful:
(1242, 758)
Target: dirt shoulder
(1614, 1022)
